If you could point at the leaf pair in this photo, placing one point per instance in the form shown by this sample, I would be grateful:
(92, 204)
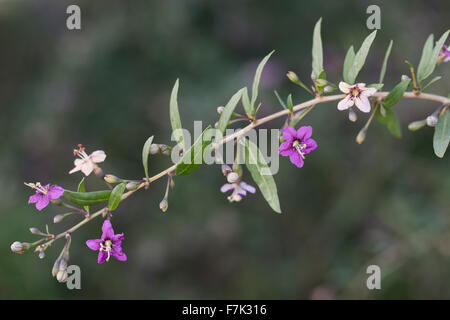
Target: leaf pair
(429, 57)
(441, 136)
(354, 62)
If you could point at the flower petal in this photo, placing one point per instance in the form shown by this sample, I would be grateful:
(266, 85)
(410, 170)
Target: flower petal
(55, 192)
(102, 256)
(361, 85)
(98, 156)
(35, 197)
(368, 92)
(296, 159)
(286, 149)
(248, 187)
(42, 203)
(289, 134)
(344, 87)
(87, 167)
(304, 133)
(226, 187)
(311, 144)
(119, 255)
(345, 103)
(94, 244)
(363, 104)
(107, 230)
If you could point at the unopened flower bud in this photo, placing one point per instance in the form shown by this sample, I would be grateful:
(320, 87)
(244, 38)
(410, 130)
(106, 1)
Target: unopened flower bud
(58, 218)
(154, 149)
(352, 116)
(404, 77)
(321, 82)
(41, 255)
(220, 109)
(132, 185)
(313, 76)
(36, 231)
(328, 89)
(432, 120)
(361, 136)
(55, 268)
(112, 179)
(163, 205)
(61, 276)
(292, 76)
(17, 247)
(416, 125)
(62, 265)
(232, 177)
(226, 169)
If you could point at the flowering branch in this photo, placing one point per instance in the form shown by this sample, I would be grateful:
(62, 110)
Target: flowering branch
(295, 143)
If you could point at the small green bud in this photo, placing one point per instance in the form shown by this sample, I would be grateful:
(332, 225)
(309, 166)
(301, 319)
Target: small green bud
(163, 205)
(110, 178)
(416, 125)
(292, 76)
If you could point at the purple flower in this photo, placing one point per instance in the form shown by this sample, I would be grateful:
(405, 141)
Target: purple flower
(44, 194)
(240, 189)
(444, 55)
(109, 244)
(297, 144)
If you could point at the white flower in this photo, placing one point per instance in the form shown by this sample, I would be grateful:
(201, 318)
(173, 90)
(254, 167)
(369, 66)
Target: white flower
(87, 163)
(357, 95)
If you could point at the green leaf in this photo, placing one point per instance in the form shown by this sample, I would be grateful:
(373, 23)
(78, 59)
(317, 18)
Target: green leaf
(390, 120)
(228, 111)
(360, 57)
(441, 136)
(426, 55)
(428, 70)
(431, 82)
(82, 188)
(257, 79)
(260, 172)
(145, 154)
(290, 105)
(385, 61)
(348, 62)
(317, 51)
(396, 94)
(87, 198)
(280, 100)
(377, 86)
(175, 116)
(116, 196)
(193, 157)
(246, 103)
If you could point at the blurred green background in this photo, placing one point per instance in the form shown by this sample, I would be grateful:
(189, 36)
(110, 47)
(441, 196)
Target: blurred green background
(385, 202)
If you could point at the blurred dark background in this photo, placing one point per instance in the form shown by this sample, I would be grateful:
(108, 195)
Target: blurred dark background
(385, 202)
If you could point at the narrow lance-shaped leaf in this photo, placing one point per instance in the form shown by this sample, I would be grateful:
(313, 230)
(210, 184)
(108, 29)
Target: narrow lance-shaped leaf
(260, 172)
(290, 104)
(390, 120)
(116, 196)
(431, 82)
(87, 198)
(441, 136)
(82, 188)
(175, 116)
(246, 102)
(193, 157)
(145, 154)
(317, 50)
(228, 111)
(396, 94)
(348, 62)
(426, 56)
(385, 61)
(433, 58)
(257, 79)
(280, 100)
(360, 57)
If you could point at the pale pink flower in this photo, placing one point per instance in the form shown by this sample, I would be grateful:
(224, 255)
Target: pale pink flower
(357, 94)
(87, 163)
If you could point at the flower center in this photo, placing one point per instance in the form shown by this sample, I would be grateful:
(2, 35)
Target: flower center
(106, 246)
(80, 152)
(299, 147)
(37, 186)
(355, 92)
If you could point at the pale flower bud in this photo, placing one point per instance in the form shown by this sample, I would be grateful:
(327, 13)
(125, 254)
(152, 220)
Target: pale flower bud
(352, 116)
(61, 276)
(361, 136)
(163, 205)
(232, 177)
(328, 89)
(36, 231)
(226, 169)
(404, 77)
(416, 125)
(154, 149)
(112, 179)
(220, 109)
(432, 120)
(132, 185)
(41, 255)
(17, 247)
(58, 218)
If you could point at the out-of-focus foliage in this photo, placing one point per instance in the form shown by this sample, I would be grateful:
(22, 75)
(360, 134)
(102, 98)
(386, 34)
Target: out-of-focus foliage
(385, 202)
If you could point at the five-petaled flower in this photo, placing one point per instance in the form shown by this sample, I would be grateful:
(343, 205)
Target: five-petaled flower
(240, 189)
(87, 163)
(444, 55)
(44, 194)
(297, 144)
(109, 244)
(357, 95)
